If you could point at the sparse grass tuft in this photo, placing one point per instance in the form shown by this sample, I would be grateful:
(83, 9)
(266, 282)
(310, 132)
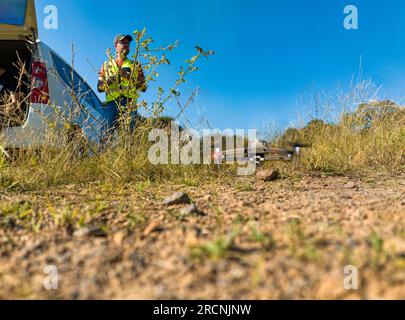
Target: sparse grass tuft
(300, 246)
(266, 240)
(378, 255)
(219, 248)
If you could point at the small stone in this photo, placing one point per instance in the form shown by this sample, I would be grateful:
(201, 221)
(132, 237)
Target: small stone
(207, 197)
(349, 185)
(237, 274)
(118, 237)
(191, 239)
(89, 232)
(267, 175)
(189, 210)
(82, 232)
(152, 227)
(177, 198)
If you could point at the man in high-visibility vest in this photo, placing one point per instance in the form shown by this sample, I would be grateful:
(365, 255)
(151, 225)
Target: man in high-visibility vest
(121, 79)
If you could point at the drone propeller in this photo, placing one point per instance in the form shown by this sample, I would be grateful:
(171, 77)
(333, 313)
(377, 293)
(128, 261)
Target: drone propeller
(300, 145)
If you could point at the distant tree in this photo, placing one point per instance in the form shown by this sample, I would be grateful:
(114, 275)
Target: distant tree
(305, 135)
(313, 129)
(289, 137)
(369, 114)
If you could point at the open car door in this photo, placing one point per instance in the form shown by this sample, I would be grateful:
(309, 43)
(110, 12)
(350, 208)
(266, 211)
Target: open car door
(18, 20)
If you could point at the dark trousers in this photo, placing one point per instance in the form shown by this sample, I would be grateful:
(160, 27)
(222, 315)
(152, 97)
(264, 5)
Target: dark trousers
(112, 113)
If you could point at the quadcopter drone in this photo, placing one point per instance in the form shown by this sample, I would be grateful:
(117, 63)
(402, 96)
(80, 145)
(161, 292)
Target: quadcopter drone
(262, 152)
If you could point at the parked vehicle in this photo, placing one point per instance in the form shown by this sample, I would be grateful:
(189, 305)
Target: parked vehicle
(55, 94)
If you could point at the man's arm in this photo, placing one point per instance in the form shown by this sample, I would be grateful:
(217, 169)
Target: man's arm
(101, 81)
(141, 83)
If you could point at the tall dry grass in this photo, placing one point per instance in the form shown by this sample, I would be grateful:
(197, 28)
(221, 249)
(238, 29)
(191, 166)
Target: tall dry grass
(125, 160)
(351, 135)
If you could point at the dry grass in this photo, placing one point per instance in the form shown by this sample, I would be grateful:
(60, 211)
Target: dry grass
(370, 138)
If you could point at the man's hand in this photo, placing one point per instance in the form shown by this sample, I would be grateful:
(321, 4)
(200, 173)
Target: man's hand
(111, 80)
(100, 86)
(124, 73)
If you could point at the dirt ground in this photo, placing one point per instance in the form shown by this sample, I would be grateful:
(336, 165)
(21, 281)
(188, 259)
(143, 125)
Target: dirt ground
(285, 239)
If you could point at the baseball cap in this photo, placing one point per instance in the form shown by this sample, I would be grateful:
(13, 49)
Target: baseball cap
(122, 37)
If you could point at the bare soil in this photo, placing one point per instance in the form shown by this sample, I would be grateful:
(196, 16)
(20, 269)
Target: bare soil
(285, 239)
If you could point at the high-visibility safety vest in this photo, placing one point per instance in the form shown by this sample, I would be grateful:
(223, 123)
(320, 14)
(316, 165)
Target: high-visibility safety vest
(120, 87)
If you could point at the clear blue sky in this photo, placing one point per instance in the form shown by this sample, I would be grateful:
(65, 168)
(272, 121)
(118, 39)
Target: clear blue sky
(268, 52)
